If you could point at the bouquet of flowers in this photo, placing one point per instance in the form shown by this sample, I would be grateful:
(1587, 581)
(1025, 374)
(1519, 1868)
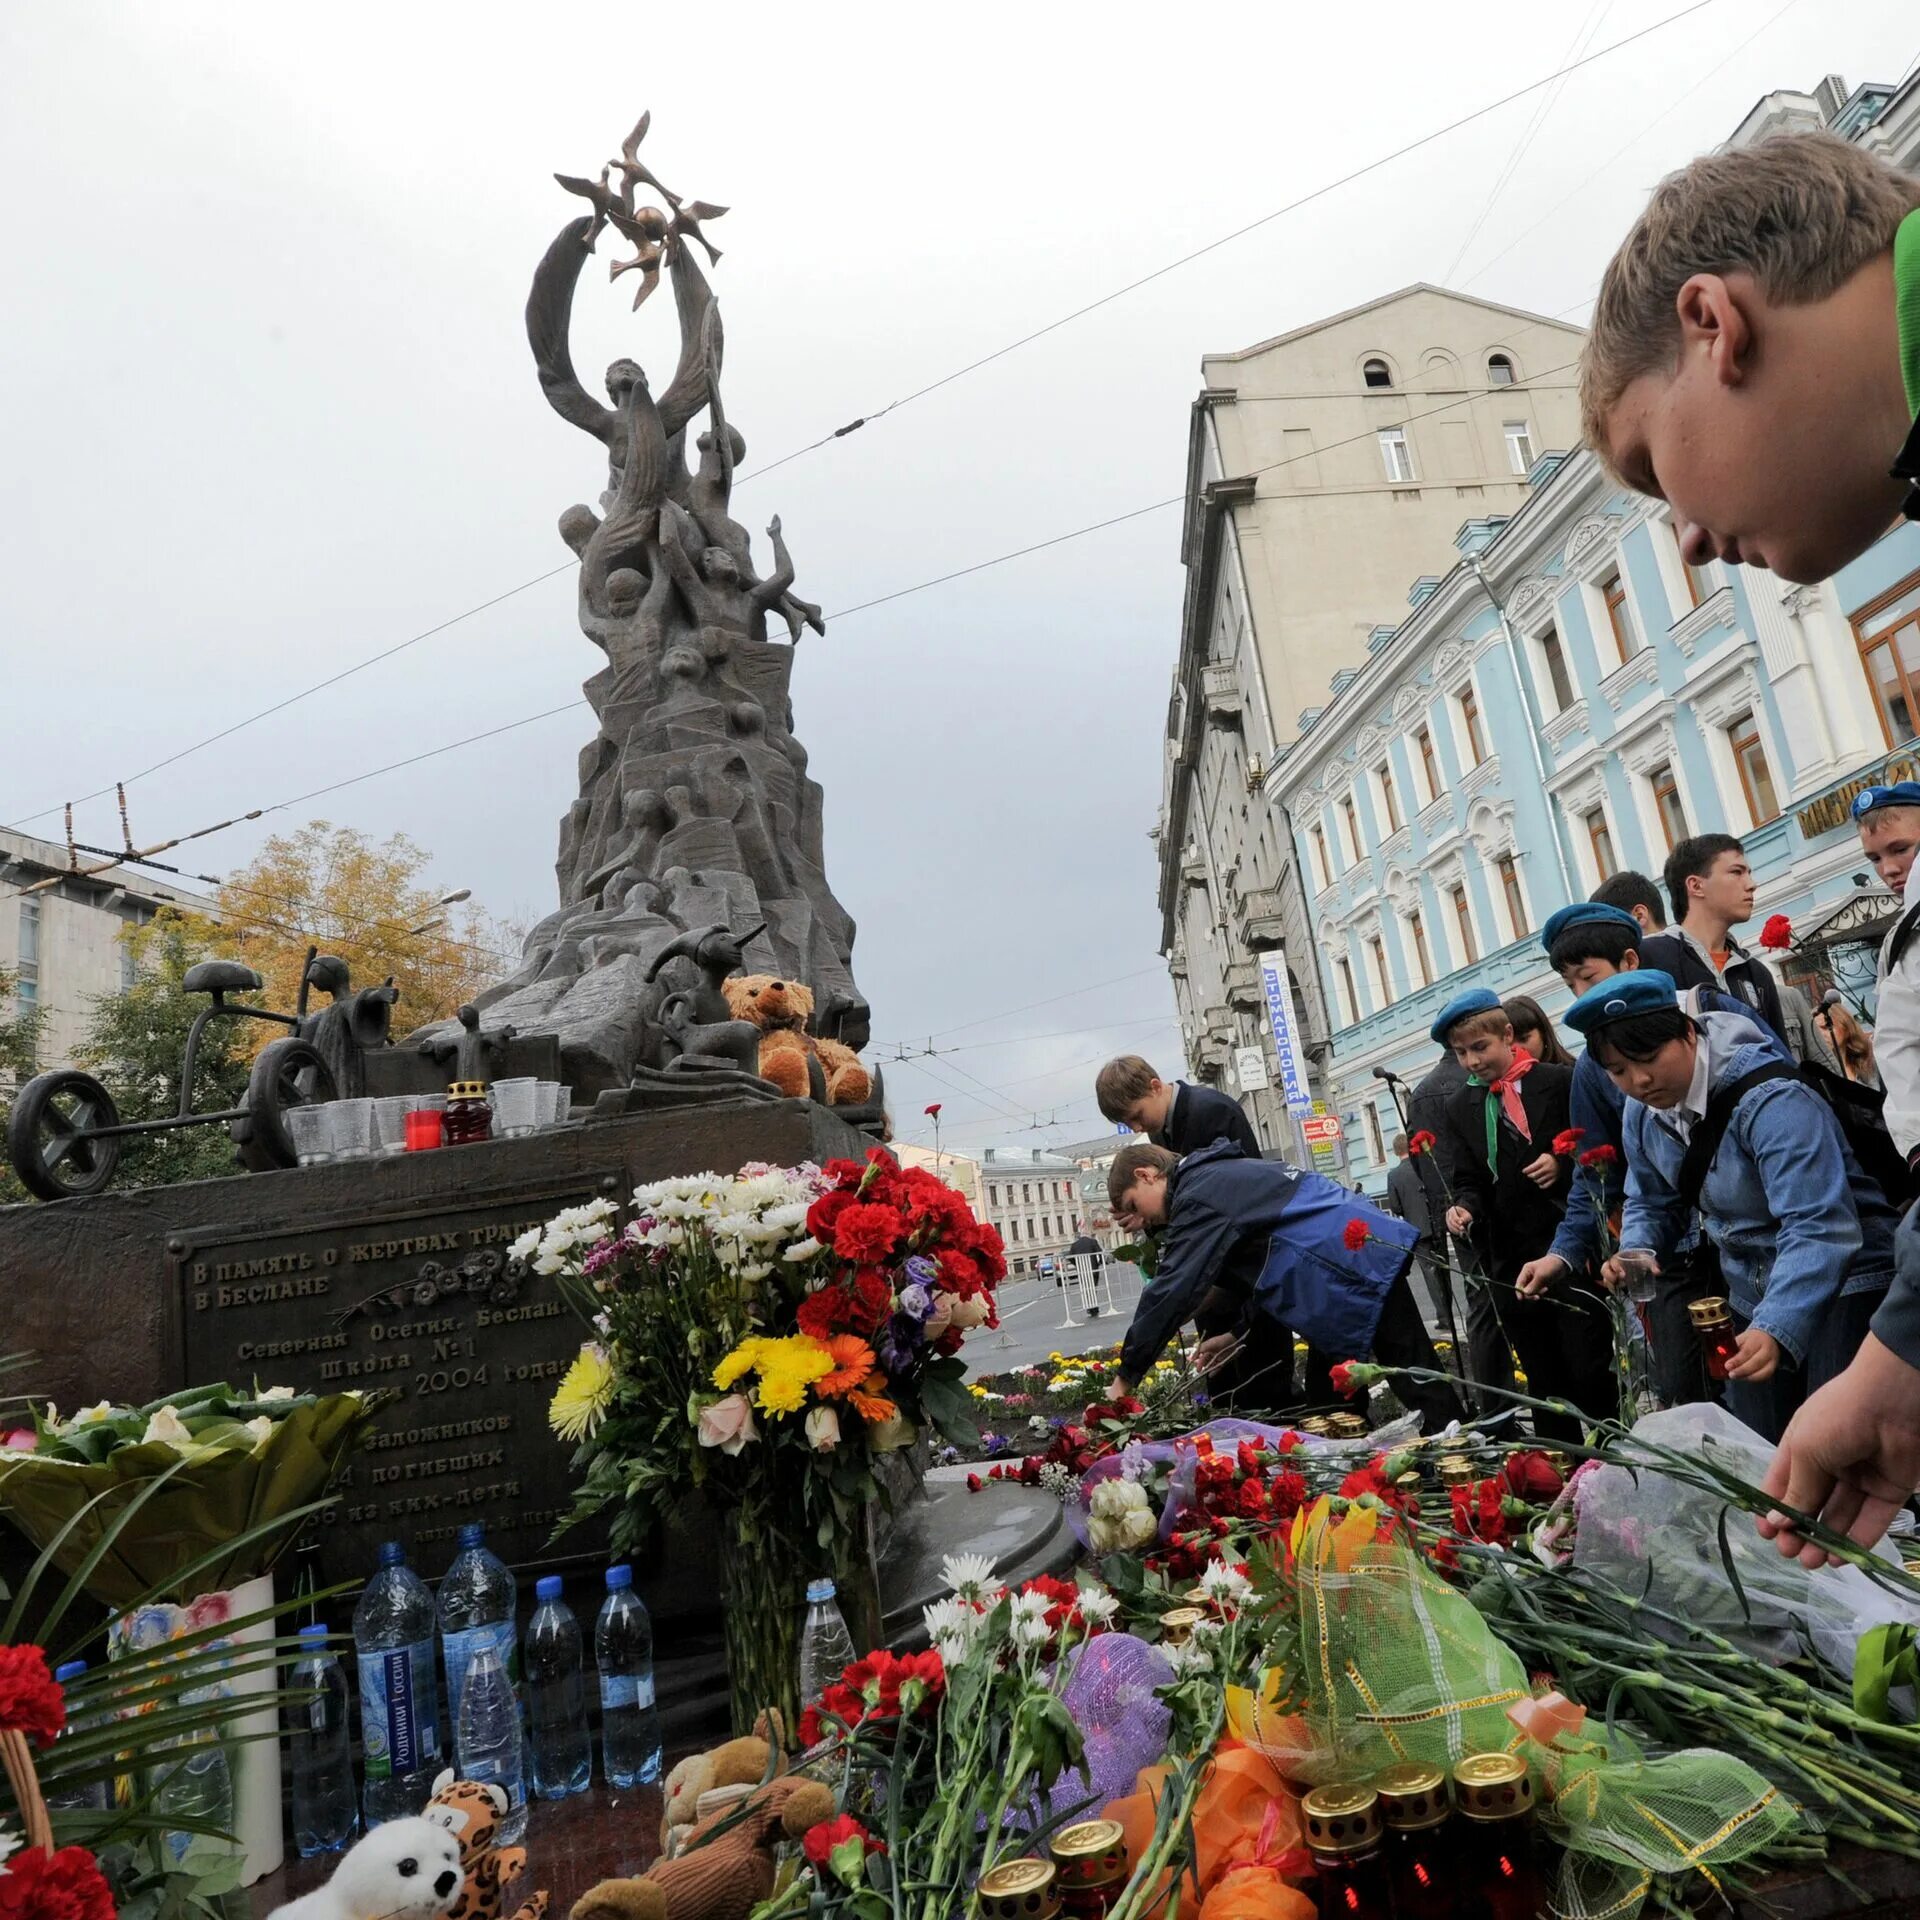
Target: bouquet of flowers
(760, 1340)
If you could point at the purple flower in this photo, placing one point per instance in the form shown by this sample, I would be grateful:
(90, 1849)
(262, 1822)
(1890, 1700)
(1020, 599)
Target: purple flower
(604, 1255)
(922, 1271)
(898, 1344)
(993, 1442)
(916, 1300)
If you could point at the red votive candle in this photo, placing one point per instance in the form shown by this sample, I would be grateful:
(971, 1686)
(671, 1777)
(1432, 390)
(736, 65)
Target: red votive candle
(423, 1129)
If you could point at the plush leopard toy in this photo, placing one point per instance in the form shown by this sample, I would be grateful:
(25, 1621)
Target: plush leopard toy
(472, 1811)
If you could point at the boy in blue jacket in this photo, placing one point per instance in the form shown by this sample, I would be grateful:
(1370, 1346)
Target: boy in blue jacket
(1805, 1238)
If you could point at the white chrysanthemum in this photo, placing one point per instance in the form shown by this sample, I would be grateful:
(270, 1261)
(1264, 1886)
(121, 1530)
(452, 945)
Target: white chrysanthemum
(787, 1214)
(1039, 1423)
(1030, 1606)
(1224, 1583)
(952, 1624)
(756, 1270)
(1097, 1606)
(10, 1843)
(525, 1247)
(1188, 1658)
(970, 1575)
(802, 1250)
(1028, 1632)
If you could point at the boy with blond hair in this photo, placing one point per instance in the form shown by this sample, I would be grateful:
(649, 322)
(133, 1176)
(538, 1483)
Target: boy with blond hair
(1754, 360)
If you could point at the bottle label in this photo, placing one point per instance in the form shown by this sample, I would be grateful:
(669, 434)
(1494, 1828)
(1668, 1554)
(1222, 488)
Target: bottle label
(396, 1710)
(619, 1690)
(460, 1649)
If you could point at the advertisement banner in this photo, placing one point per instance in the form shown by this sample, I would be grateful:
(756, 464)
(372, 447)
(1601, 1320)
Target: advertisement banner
(1293, 1079)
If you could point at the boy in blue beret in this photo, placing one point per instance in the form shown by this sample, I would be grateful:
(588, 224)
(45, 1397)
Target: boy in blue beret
(1587, 943)
(1888, 820)
(1805, 1237)
(1509, 1188)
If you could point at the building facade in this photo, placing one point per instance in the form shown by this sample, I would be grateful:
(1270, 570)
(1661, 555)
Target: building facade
(1325, 469)
(958, 1170)
(63, 943)
(1033, 1198)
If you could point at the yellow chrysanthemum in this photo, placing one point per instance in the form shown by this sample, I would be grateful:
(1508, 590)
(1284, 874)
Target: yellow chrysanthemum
(585, 1392)
(743, 1359)
(787, 1368)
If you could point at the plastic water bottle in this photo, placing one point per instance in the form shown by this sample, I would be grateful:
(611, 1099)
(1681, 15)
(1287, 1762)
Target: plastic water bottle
(478, 1603)
(93, 1799)
(399, 1717)
(556, 1696)
(324, 1816)
(192, 1781)
(623, 1651)
(826, 1647)
(487, 1745)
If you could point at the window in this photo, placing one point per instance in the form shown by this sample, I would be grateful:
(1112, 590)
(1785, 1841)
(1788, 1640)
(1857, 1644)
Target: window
(129, 967)
(1463, 920)
(1323, 875)
(1666, 800)
(1026, 1193)
(1353, 825)
(1375, 1144)
(1756, 777)
(1429, 765)
(1470, 723)
(1013, 1229)
(1395, 455)
(1349, 998)
(1031, 1235)
(1376, 373)
(1600, 839)
(26, 985)
(1619, 615)
(1384, 774)
(1519, 446)
(1510, 888)
(1554, 656)
(1377, 953)
(1499, 370)
(1889, 635)
(1417, 931)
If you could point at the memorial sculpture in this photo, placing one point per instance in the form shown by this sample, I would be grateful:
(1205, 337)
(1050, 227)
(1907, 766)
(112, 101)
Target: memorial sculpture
(696, 816)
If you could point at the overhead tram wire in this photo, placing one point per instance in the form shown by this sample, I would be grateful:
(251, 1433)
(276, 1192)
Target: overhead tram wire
(1227, 239)
(933, 386)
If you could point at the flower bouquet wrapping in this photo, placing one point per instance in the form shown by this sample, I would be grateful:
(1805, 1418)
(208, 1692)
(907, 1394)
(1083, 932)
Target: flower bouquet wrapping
(760, 1341)
(142, 1498)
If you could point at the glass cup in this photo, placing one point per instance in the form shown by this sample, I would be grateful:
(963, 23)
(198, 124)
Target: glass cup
(351, 1124)
(1642, 1274)
(390, 1123)
(424, 1128)
(514, 1103)
(312, 1133)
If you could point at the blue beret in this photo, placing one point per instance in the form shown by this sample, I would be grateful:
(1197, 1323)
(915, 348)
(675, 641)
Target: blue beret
(1624, 997)
(1474, 1000)
(1586, 913)
(1903, 793)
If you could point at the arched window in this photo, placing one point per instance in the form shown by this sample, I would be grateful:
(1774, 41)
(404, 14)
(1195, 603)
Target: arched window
(1376, 373)
(1499, 370)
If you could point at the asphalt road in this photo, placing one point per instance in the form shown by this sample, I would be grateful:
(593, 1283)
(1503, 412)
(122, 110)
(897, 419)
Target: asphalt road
(1032, 1316)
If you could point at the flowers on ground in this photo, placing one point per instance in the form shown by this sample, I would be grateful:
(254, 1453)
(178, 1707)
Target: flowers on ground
(841, 1845)
(1121, 1516)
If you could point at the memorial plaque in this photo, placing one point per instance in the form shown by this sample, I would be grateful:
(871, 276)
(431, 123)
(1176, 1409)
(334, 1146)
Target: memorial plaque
(425, 1308)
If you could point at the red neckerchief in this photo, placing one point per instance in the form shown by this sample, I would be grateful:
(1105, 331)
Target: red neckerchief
(1508, 1088)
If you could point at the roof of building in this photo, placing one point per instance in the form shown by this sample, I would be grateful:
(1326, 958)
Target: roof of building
(1001, 1160)
(1387, 300)
(26, 860)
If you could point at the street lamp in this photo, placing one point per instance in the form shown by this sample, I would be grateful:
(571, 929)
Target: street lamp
(439, 920)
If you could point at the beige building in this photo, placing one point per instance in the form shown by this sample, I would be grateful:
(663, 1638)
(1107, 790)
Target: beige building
(960, 1173)
(1326, 469)
(1033, 1199)
(63, 942)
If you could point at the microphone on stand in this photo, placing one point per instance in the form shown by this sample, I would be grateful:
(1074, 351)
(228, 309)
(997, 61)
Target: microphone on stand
(1385, 1073)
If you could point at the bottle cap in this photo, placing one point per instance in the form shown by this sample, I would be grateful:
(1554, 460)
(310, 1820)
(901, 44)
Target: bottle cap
(1091, 1854)
(69, 1670)
(1493, 1786)
(1178, 1623)
(392, 1554)
(819, 1590)
(467, 1090)
(473, 1534)
(1343, 1818)
(622, 1576)
(1020, 1890)
(313, 1631)
(547, 1587)
(1710, 1312)
(1412, 1796)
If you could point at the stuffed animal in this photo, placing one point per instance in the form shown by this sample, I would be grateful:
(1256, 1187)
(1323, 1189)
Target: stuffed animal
(471, 1811)
(726, 1877)
(781, 1010)
(406, 1870)
(738, 1763)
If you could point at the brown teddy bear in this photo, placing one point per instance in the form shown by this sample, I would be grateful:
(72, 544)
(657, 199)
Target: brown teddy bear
(730, 1874)
(781, 1010)
(740, 1764)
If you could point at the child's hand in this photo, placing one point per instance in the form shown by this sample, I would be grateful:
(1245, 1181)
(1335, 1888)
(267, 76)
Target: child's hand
(1538, 1275)
(1544, 1171)
(1459, 1222)
(1755, 1356)
(1216, 1350)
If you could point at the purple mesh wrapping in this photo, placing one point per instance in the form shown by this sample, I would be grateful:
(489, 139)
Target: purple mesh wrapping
(1110, 1694)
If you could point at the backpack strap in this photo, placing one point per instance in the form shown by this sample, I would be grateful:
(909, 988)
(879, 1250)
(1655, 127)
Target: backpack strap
(1705, 1140)
(1901, 938)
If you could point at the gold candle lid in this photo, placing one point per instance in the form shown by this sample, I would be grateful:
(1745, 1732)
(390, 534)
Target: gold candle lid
(1710, 1312)
(1493, 1786)
(1347, 1426)
(1019, 1890)
(1319, 1424)
(1412, 1796)
(1178, 1623)
(1093, 1853)
(1456, 1470)
(467, 1090)
(1343, 1818)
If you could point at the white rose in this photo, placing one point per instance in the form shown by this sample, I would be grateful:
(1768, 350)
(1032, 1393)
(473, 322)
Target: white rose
(968, 1314)
(168, 1426)
(261, 1428)
(1120, 1516)
(823, 1429)
(86, 1417)
(277, 1393)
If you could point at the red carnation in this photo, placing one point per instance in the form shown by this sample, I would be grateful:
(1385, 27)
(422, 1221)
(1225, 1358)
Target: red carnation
(933, 1111)
(1777, 934)
(1355, 1234)
(824, 1214)
(1344, 1384)
(1567, 1144)
(1600, 1157)
(832, 1310)
(67, 1885)
(30, 1698)
(1530, 1475)
(1289, 1493)
(873, 1297)
(974, 1483)
(1479, 1512)
(1422, 1142)
(820, 1843)
(1367, 1479)
(865, 1233)
(1252, 1500)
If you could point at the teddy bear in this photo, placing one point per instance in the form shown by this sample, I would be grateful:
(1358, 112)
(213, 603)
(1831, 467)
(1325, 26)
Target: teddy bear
(722, 1878)
(781, 1010)
(735, 1767)
(406, 1870)
(471, 1811)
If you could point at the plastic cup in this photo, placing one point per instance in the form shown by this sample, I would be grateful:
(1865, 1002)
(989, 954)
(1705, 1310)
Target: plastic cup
(549, 1103)
(426, 1103)
(1643, 1273)
(424, 1128)
(390, 1123)
(351, 1123)
(514, 1105)
(312, 1134)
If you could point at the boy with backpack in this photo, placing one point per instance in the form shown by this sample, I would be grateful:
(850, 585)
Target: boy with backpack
(1754, 359)
(1805, 1238)
(1508, 1192)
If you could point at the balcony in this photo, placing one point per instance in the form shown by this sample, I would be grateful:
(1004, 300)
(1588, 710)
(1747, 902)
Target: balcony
(1193, 867)
(1715, 613)
(1642, 670)
(1244, 988)
(1566, 726)
(1224, 700)
(1263, 921)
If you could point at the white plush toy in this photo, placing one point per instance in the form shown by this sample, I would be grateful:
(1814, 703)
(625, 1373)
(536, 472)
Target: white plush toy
(405, 1870)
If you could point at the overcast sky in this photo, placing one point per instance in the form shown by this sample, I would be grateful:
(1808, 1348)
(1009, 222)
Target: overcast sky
(269, 407)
